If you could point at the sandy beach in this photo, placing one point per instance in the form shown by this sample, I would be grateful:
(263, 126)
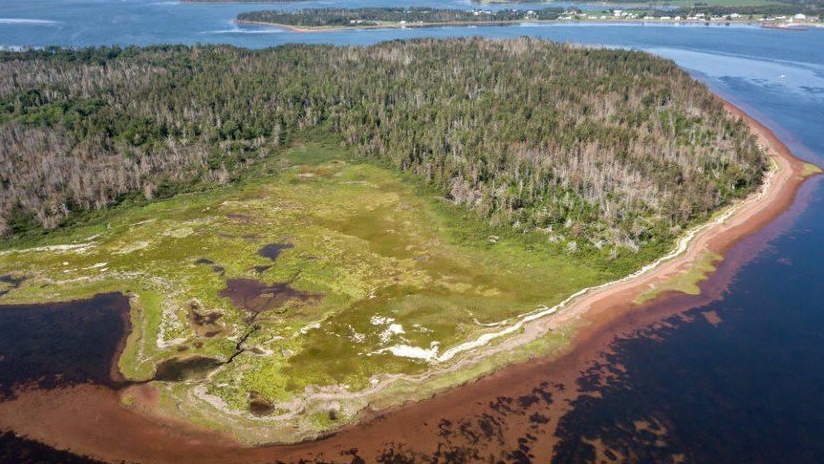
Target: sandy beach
(482, 417)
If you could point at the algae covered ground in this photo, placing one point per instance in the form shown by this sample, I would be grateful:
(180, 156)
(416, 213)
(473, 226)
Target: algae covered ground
(289, 302)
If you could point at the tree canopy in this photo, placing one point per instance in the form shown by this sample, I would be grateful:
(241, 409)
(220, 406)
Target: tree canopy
(615, 147)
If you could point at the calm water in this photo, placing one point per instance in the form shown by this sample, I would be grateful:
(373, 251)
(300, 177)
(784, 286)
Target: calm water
(746, 390)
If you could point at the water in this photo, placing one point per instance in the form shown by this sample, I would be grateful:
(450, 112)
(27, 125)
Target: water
(60, 344)
(746, 389)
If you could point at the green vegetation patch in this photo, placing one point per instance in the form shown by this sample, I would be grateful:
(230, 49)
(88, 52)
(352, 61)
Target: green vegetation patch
(810, 170)
(685, 282)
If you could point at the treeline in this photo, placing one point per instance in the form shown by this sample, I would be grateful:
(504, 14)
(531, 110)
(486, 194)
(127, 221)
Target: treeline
(344, 17)
(775, 7)
(755, 11)
(604, 147)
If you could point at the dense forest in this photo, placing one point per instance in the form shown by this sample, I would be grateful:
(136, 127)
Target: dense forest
(343, 17)
(613, 147)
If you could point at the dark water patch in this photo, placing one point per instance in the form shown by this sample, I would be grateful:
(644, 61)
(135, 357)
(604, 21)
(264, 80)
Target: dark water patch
(12, 282)
(273, 250)
(205, 323)
(538, 418)
(209, 262)
(260, 406)
(186, 368)
(262, 269)
(59, 344)
(203, 319)
(19, 450)
(256, 297)
(527, 400)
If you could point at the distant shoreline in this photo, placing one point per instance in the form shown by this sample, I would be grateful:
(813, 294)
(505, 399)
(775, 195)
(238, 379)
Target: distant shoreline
(652, 22)
(294, 28)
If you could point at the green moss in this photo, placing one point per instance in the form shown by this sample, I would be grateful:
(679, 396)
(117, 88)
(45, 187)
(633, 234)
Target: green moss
(685, 282)
(810, 170)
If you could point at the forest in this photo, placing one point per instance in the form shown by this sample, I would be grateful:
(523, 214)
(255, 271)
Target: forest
(613, 147)
(344, 17)
(772, 9)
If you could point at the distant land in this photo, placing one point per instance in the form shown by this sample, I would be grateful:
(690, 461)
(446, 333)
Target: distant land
(331, 19)
(709, 7)
(337, 18)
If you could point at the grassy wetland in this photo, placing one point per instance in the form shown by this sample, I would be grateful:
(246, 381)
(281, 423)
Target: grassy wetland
(298, 249)
(374, 278)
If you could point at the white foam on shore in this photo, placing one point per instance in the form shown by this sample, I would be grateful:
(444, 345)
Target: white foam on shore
(414, 352)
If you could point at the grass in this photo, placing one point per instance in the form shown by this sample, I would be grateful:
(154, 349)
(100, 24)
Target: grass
(810, 170)
(394, 265)
(685, 282)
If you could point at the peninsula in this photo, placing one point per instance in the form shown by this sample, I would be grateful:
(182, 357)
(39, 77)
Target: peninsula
(309, 233)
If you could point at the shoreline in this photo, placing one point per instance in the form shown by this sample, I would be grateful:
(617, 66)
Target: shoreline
(521, 22)
(306, 29)
(594, 313)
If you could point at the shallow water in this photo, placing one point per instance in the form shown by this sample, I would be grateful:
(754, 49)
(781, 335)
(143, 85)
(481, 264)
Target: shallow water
(60, 344)
(737, 380)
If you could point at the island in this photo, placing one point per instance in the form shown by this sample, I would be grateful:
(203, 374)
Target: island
(334, 19)
(308, 235)
(393, 17)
